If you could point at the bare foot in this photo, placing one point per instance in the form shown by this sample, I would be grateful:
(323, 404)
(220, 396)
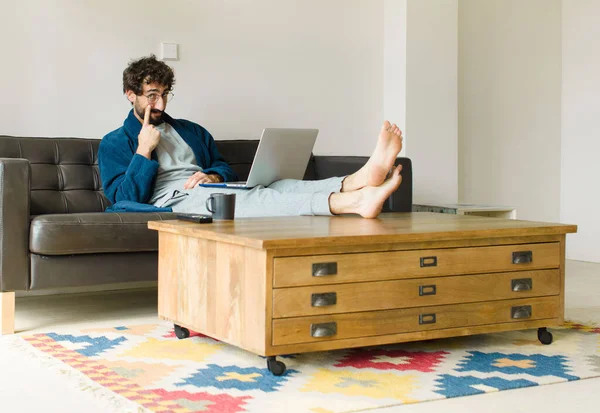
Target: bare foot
(374, 172)
(367, 201)
(373, 197)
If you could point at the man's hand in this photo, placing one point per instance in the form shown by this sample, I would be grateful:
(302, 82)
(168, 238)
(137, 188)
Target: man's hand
(149, 137)
(201, 178)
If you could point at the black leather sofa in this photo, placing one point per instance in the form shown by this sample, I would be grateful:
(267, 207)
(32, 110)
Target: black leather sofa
(54, 233)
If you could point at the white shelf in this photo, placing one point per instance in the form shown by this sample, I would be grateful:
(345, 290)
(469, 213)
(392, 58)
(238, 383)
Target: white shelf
(469, 209)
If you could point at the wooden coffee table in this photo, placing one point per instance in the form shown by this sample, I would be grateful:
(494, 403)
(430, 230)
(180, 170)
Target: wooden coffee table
(277, 286)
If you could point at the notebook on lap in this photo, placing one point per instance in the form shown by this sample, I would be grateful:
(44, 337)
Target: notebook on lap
(281, 154)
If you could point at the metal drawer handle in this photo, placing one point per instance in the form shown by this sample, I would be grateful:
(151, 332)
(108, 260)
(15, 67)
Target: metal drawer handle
(321, 269)
(523, 311)
(426, 319)
(522, 257)
(522, 284)
(428, 262)
(323, 329)
(323, 300)
(427, 290)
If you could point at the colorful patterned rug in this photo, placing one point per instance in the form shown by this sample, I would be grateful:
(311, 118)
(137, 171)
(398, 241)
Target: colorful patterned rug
(145, 368)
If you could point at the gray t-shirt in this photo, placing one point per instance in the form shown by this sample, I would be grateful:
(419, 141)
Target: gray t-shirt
(176, 163)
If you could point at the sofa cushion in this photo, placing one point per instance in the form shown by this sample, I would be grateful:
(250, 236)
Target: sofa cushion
(88, 233)
(64, 175)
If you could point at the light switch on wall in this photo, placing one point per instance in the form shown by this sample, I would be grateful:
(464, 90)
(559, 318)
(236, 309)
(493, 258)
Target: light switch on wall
(168, 51)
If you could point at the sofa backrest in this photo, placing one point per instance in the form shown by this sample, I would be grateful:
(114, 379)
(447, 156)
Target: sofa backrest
(65, 176)
(64, 173)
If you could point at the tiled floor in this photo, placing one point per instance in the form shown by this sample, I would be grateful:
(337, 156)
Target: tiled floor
(18, 382)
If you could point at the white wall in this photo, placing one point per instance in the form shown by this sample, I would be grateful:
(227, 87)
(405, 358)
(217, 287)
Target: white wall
(244, 65)
(394, 64)
(510, 105)
(580, 127)
(431, 99)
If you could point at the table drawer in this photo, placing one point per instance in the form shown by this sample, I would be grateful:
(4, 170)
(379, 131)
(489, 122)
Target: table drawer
(373, 323)
(374, 266)
(384, 295)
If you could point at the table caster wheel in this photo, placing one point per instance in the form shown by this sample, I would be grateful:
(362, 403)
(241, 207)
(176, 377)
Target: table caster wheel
(181, 332)
(274, 366)
(544, 336)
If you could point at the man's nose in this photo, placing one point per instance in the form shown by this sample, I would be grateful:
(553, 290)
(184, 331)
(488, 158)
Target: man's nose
(159, 104)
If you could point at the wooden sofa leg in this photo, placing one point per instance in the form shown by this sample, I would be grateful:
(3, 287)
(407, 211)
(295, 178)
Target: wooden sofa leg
(7, 313)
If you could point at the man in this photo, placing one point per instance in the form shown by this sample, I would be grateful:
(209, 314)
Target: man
(157, 160)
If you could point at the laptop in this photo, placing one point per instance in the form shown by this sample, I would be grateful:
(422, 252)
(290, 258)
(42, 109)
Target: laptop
(281, 154)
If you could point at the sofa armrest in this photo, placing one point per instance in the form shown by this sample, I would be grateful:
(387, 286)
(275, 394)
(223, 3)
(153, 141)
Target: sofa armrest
(330, 166)
(14, 224)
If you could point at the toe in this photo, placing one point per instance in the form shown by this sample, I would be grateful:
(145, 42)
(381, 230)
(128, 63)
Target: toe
(386, 125)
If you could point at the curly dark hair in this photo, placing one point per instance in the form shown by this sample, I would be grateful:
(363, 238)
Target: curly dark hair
(147, 70)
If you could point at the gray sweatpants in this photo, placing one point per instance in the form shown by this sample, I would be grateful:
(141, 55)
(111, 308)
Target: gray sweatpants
(288, 197)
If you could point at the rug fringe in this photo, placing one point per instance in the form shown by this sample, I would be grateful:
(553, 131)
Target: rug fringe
(589, 326)
(77, 379)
